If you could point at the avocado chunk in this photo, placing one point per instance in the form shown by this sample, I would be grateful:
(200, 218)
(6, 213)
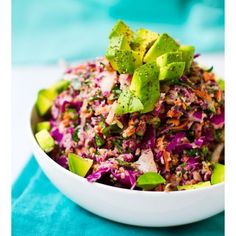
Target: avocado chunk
(121, 57)
(45, 140)
(172, 71)
(79, 165)
(45, 100)
(194, 186)
(218, 174)
(138, 58)
(121, 28)
(60, 86)
(143, 40)
(168, 58)
(187, 54)
(124, 61)
(117, 43)
(43, 125)
(149, 180)
(163, 44)
(221, 84)
(145, 85)
(128, 103)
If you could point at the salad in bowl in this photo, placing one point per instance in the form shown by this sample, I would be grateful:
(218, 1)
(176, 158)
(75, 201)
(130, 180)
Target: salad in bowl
(144, 117)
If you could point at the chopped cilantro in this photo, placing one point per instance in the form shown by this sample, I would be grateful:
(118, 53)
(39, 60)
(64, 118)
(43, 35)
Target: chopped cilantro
(210, 69)
(192, 152)
(111, 129)
(118, 144)
(205, 151)
(75, 135)
(99, 141)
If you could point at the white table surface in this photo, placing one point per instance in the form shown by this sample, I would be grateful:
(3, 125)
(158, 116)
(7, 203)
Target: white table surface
(27, 80)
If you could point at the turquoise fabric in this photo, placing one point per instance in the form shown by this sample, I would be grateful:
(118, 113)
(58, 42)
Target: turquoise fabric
(38, 208)
(44, 31)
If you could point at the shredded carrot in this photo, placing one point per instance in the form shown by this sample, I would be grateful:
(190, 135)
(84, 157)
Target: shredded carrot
(66, 119)
(203, 95)
(129, 131)
(175, 122)
(109, 102)
(180, 127)
(208, 76)
(160, 142)
(66, 116)
(160, 187)
(87, 114)
(109, 68)
(199, 129)
(170, 113)
(65, 122)
(166, 156)
(218, 95)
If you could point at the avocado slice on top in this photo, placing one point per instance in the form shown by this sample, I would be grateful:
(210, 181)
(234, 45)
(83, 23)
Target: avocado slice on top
(187, 55)
(145, 85)
(163, 44)
(172, 71)
(168, 58)
(143, 40)
(117, 43)
(120, 29)
(128, 103)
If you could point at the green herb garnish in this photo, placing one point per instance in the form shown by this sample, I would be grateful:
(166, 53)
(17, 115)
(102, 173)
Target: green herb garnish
(99, 141)
(75, 135)
(210, 69)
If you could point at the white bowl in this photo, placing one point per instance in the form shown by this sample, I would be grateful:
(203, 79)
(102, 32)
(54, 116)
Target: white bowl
(140, 208)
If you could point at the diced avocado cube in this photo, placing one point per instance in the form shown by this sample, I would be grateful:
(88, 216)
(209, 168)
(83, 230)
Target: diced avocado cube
(149, 180)
(60, 86)
(128, 103)
(168, 58)
(218, 174)
(121, 28)
(172, 71)
(117, 43)
(45, 140)
(43, 125)
(138, 57)
(145, 85)
(79, 165)
(163, 44)
(221, 84)
(187, 54)
(194, 186)
(123, 61)
(45, 100)
(143, 40)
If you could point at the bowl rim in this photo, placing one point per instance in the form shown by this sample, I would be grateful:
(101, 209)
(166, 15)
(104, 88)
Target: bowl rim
(104, 186)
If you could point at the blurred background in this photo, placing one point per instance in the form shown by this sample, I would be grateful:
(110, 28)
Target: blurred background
(45, 31)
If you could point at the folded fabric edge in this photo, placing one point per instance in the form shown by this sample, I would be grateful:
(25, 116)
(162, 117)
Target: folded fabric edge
(24, 178)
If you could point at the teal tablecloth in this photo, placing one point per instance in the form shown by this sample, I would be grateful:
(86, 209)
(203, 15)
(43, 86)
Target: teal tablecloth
(38, 208)
(45, 31)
